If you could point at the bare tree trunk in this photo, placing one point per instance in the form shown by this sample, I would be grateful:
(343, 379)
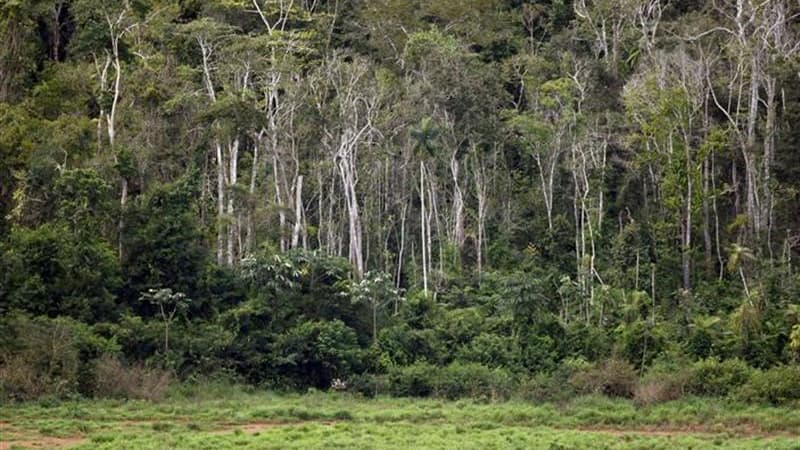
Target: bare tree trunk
(221, 226)
(222, 223)
(546, 175)
(708, 246)
(347, 171)
(423, 225)
(116, 34)
(458, 203)
(768, 160)
(298, 212)
(279, 201)
(233, 154)
(331, 231)
(400, 252)
(433, 214)
(751, 171)
(250, 232)
(687, 241)
(716, 217)
(481, 188)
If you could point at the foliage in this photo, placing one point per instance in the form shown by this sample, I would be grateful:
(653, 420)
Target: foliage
(457, 198)
(316, 353)
(614, 377)
(41, 357)
(115, 380)
(453, 381)
(713, 377)
(778, 386)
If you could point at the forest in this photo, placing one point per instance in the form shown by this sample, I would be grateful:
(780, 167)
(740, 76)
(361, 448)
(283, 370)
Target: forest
(487, 199)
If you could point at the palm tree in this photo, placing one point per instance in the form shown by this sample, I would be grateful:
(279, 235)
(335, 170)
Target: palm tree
(738, 255)
(425, 135)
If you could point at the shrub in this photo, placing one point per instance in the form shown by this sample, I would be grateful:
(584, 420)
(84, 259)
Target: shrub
(416, 380)
(555, 386)
(713, 377)
(490, 349)
(116, 380)
(614, 378)
(454, 381)
(663, 382)
(544, 387)
(368, 385)
(472, 380)
(404, 345)
(778, 386)
(47, 357)
(659, 390)
(315, 353)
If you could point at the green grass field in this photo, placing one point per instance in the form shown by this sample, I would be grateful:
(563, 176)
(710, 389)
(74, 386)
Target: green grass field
(225, 418)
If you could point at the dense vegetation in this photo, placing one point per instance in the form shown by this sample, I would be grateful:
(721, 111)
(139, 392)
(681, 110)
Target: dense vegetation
(480, 198)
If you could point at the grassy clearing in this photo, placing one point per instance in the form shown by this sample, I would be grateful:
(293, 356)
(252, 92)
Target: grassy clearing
(222, 418)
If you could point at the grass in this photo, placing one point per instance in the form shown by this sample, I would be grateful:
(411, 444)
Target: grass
(219, 417)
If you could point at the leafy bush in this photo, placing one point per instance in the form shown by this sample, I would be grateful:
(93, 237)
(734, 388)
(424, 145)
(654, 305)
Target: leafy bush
(116, 380)
(778, 385)
(659, 390)
(453, 381)
(665, 381)
(315, 353)
(47, 357)
(472, 380)
(368, 385)
(544, 387)
(614, 378)
(416, 380)
(404, 345)
(713, 377)
(553, 386)
(490, 349)
(53, 271)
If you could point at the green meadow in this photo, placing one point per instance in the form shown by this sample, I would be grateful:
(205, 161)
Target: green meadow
(225, 418)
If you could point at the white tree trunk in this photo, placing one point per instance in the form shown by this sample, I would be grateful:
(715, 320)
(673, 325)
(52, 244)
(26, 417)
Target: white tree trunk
(298, 212)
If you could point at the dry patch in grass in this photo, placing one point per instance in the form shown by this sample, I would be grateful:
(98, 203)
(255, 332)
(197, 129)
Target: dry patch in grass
(14, 437)
(743, 431)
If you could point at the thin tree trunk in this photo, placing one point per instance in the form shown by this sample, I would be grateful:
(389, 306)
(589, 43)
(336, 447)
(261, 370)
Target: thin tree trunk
(687, 243)
(221, 222)
(233, 154)
(423, 221)
(401, 250)
(708, 246)
(298, 212)
(458, 204)
(768, 160)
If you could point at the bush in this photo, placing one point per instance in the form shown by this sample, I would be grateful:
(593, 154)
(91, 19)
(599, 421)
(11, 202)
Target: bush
(659, 390)
(23, 379)
(614, 378)
(315, 353)
(554, 386)
(778, 386)
(544, 387)
(472, 380)
(663, 382)
(491, 350)
(712, 377)
(47, 357)
(368, 385)
(454, 381)
(116, 380)
(416, 380)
